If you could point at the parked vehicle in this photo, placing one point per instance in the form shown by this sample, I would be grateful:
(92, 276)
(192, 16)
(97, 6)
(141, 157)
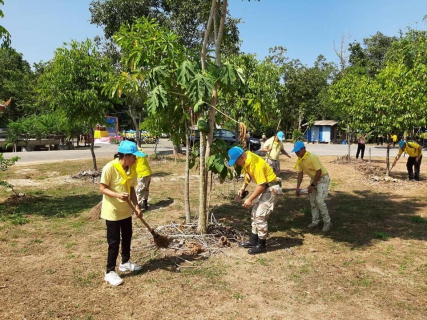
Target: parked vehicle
(253, 144)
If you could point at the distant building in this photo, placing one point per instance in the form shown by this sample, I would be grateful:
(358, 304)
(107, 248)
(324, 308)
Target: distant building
(322, 131)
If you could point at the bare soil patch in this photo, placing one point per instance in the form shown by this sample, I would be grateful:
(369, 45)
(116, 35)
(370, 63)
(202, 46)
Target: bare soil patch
(371, 265)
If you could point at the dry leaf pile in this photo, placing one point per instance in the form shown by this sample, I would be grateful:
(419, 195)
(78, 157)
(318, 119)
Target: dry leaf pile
(187, 241)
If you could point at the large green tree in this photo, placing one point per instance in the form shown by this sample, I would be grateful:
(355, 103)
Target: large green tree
(16, 82)
(72, 85)
(4, 34)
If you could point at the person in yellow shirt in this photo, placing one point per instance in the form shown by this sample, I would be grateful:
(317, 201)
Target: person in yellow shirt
(144, 173)
(309, 164)
(263, 198)
(425, 139)
(415, 156)
(118, 182)
(394, 138)
(273, 148)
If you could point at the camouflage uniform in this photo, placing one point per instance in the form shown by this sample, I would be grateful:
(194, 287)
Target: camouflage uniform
(262, 208)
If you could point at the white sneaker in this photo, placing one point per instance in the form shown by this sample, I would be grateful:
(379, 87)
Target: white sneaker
(129, 266)
(113, 278)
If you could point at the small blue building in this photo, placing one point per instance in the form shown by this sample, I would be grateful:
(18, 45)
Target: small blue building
(322, 131)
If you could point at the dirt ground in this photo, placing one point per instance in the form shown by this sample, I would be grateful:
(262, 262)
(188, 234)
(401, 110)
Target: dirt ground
(371, 265)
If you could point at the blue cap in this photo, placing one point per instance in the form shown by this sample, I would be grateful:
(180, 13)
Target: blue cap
(298, 146)
(401, 144)
(234, 153)
(281, 135)
(129, 147)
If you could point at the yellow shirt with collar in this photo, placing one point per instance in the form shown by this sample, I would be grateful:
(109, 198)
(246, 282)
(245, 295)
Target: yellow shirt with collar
(309, 164)
(259, 171)
(275, 150)
(114, 209)
(411, 148)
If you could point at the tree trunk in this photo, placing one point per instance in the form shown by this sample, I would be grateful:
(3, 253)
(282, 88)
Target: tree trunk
(202, 224)
(92, 151)
(387, 160)
(205, 146)
(187, 170)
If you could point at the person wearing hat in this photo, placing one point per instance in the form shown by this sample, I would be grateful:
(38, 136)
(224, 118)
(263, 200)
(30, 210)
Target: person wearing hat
(415, 156)
(143, 171)
(273, 148)
(118, 182)
(310, 164)
(263, 198)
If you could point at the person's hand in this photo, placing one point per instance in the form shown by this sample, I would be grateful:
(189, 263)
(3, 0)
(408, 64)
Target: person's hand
(310, 189)
(240, 192)
(297, 192)
(247, 203)
(138, 212)
(289, 156)
(124, 196)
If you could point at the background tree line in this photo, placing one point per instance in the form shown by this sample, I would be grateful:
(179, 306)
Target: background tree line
(164, 65)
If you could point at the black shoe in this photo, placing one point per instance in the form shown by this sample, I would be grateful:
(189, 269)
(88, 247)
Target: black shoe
(252, 242)
(259, 248)
(145, 204)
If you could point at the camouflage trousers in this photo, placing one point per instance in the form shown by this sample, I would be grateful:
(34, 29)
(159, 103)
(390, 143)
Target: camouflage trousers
(274, 164)
(143, 189)
(317, 200)
(262, 209)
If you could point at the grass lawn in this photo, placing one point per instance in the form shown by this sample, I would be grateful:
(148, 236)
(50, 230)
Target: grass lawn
(371, 265)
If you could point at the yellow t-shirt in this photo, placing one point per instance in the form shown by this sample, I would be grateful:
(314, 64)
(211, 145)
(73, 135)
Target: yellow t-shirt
(114, 209)
(275, 150)
(411, 148)
(309, 164)
(425, 135)
(394, 137)
(143, 168)
(259, 171)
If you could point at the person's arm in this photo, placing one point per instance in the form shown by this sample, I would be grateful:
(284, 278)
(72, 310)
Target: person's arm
(299, 180)
(258, 190)
(266, 147)
(315, 180)
(419, 150)
(245, 184)
(134, 200)
(283, 151)
(108, 192)
(396, 159)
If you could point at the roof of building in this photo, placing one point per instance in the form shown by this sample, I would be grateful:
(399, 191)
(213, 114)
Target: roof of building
(323, 123)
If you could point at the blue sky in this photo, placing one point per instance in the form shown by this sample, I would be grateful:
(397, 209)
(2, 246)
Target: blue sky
(306, 28)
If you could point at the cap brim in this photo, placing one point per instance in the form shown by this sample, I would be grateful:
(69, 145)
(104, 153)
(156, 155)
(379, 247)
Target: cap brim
(139, 154)
(231, 162)
(280, 138)
(296, 149)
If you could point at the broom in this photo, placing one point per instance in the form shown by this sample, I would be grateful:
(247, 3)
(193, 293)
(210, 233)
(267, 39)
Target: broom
(95, 212)
(159, 240)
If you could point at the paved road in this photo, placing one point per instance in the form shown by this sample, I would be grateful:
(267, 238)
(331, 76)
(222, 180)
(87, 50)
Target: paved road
(165, 147)
(101, 151)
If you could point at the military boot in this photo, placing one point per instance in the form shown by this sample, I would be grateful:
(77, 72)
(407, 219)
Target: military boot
(259, 248)
(252, 242)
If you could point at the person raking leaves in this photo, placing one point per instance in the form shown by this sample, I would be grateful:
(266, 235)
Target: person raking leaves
(118, 182)
(415, 156)
(319, 184)
(263, 198)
